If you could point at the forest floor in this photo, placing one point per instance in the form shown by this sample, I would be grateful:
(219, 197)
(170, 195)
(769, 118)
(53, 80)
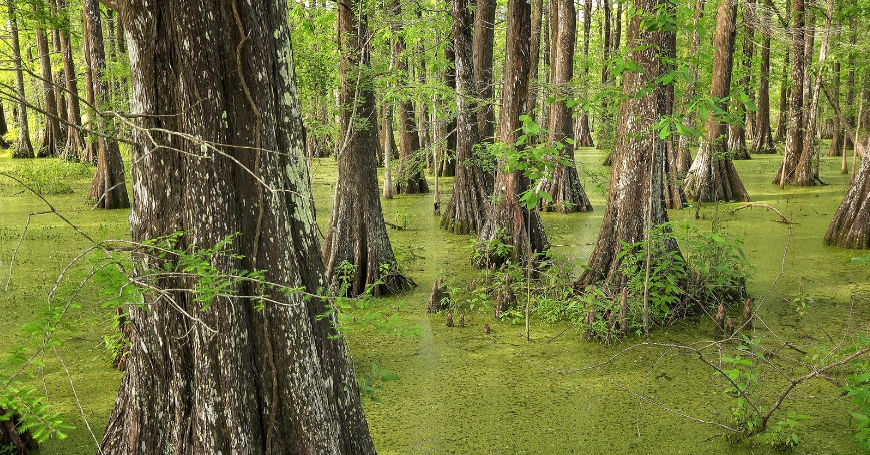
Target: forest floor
(465, 392)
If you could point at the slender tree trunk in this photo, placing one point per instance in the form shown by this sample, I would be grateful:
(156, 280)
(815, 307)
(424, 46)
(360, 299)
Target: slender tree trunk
(583, 132)
(813, 100)
(108, 187)
(506, 220)
(75, 138)
(836, 147)
(713, 176)
(389, 146)
(763, 142)
(4, 128)
(784, 97)
(91, 141)
(484, 40)
(796, 167)
(737, 134)
(52, 133)
(534, 86)
(850, 81)
(605, 129)
(273, 373)
(60, 87)
(448, 160)
(411, 179)
(357, 234)
(564, 186)
(635, 203)
(23, 146)
(466, 210)
(684, 155)
(544, 116)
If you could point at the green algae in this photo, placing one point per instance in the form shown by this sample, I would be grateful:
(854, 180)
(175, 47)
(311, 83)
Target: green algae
(466, 392)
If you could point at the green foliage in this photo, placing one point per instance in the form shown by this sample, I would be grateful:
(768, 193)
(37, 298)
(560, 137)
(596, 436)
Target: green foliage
(51, 177)
(373, 381)
(783, 435)
(858, 390)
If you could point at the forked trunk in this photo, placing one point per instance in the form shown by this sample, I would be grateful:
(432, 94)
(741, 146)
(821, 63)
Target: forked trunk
(244, 375)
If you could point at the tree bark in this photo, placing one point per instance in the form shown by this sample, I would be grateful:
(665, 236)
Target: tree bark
(605, 128)
(482, 50)
(713, 176)
(534, 86)
(784, 97)
(836, 147)
(737, 132)
(242, 376)
(411, 179)
(507, 221)
(108, 187)
(51, 134)
(850, 227)
(763, 140)
(850, 81)
(75, 142)
(635, 202)
(466, 210)
(797, 166)
(357, 234)
(90, 152)
(23, 146)
(59, 85)
(564, 186)
(448, 160)
(583, 134)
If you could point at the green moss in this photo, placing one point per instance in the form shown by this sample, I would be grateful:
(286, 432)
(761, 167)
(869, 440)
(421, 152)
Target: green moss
(465, 392)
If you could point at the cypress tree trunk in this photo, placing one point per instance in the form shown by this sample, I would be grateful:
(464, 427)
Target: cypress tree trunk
(836, 147)
(108, 187)
(713, 176)
(635, 202)
(534, 86)
(238, 379)
(60, 87)
(564, 187)
(23, 146)
(784, 97)
(466, 210)
(814, 93)
(90, 152)
(4, 128)
(797, 166)
(482, 50)
(850, 83)
(357, 234)
(506, 221)
(448, 160)
(583, 135)
(52, 133)
(737, 133)
(850, 227)
(75, 142)
(411, 179)
(605, 129)
(684, 155)
(763, 142)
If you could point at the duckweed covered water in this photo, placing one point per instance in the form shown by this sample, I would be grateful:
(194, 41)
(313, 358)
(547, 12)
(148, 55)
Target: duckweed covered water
(465, 392)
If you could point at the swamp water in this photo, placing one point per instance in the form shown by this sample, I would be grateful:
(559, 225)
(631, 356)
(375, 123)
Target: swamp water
(465, 392)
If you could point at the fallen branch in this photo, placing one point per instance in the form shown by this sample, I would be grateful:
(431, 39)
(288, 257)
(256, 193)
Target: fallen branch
(782, 218)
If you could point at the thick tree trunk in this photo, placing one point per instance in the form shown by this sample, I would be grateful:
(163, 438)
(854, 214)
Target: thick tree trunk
(683, 155)
(75, 142)
(635, 203)
(850, 227)
(108, 187)
(583, 134)
(466, 210)
(411, 178)
(23, 146)
(534, 86)
(506, 221)
(713, 176)
(244, 375)
(797, 166)
(564, 186)
(482, 50)
(357, 234)
(737, 132)
(763, 140)
(51, 134)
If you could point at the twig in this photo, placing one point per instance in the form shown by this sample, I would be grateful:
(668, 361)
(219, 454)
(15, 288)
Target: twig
(782, 218)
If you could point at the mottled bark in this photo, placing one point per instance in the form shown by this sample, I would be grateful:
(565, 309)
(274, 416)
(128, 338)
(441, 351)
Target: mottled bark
(410, 178)
(683, 155)
(605, 127)
(75, 142)
(108, 188)
(850, 227)
(89, 155)
(506, 220)
(564, 185)
(482, 50)
(534, 86)
(242, 376)
(51, 134)
(763, 136)
(635, 202)
(466, 210)
(796, 167)
(23, 146)
(713, 176)
(583, 133)
(357, 234)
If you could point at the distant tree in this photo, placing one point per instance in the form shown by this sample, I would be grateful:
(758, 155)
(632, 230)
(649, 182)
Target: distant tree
(23, 146)
(75, 142)
(583, 132)
(52, 134)
(482, 51)
(684, 155)
(738, 132)
(357, 234)
(763, 140)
